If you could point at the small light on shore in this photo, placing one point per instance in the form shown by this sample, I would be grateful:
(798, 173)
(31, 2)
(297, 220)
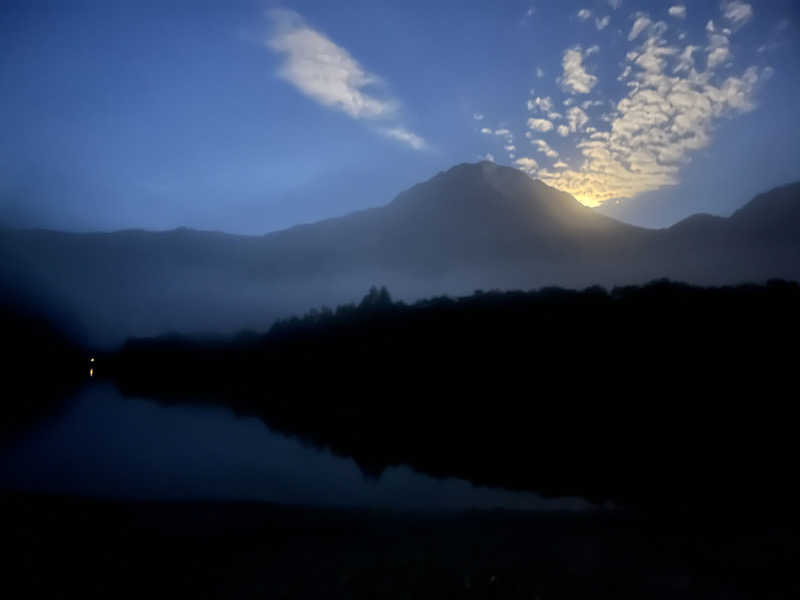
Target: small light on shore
(91, 359)
(91, 372)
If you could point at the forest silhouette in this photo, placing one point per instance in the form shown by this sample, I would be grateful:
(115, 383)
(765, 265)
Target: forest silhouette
(667, 397)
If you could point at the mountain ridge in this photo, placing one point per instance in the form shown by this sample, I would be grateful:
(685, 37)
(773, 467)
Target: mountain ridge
(741, 212)
(474, 226)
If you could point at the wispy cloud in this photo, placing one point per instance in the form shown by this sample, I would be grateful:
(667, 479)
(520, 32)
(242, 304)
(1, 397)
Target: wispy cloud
(584, 14)
(602, 23)
(403, 135)
(329, 75)
(324, 71)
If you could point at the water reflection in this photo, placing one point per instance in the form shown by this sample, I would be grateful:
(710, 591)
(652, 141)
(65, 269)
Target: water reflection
(110, 445)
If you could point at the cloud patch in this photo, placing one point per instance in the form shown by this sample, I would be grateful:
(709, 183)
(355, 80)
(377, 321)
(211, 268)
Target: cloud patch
(678, 11)
(737, 12)
(403, 135)
(327, 74)
(577, 119)
(641, 23)
(545, 148)
(544, 104)
(542, 125)
(527, 164)
(668, 113)
(575, 79)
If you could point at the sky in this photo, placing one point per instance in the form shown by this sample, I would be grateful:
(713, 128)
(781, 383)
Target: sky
(248, 116)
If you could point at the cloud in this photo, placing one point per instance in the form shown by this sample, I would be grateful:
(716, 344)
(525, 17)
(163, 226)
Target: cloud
(575, 79)
(651, 56)
(486, 130)
(527, 164)
(477, 117)
(615, 4)
(403, 135)
(545, 148)
(544, 104)
(563, 130)
(542, 125)
(592, 50)
(718, 50)
(560, 165)
(584, 14)
(737, 12)
(678, 11)
(577, 119)
(657, 126)
(685, 60)
(639, 25)
(324, 71)
(489, 156)
(329, 75)
(502, 132)
(602, 23)
(539, 72)
(510, 148)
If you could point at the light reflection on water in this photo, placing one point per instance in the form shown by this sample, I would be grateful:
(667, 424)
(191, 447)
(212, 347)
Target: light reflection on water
(110, 445)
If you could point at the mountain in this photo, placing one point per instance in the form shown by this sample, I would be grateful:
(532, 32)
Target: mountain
(475, 226)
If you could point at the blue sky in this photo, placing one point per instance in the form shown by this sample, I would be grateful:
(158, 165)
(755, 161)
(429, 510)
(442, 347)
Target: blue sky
(253, 116)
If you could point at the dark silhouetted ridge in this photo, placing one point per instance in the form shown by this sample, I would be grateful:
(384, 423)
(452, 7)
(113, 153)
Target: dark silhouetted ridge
(474, 226)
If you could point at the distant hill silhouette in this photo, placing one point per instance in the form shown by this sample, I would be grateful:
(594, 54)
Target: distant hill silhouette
(475, 226)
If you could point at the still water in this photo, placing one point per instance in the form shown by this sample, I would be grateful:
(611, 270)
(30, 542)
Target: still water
(106, 444)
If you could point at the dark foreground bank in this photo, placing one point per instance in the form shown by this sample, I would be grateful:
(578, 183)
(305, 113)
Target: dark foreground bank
(75, 547)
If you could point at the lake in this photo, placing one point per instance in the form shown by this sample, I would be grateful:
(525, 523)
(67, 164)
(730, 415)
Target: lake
(106, 444)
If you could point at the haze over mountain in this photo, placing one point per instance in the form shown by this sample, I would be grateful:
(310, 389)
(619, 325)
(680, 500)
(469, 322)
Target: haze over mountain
(475, 226)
